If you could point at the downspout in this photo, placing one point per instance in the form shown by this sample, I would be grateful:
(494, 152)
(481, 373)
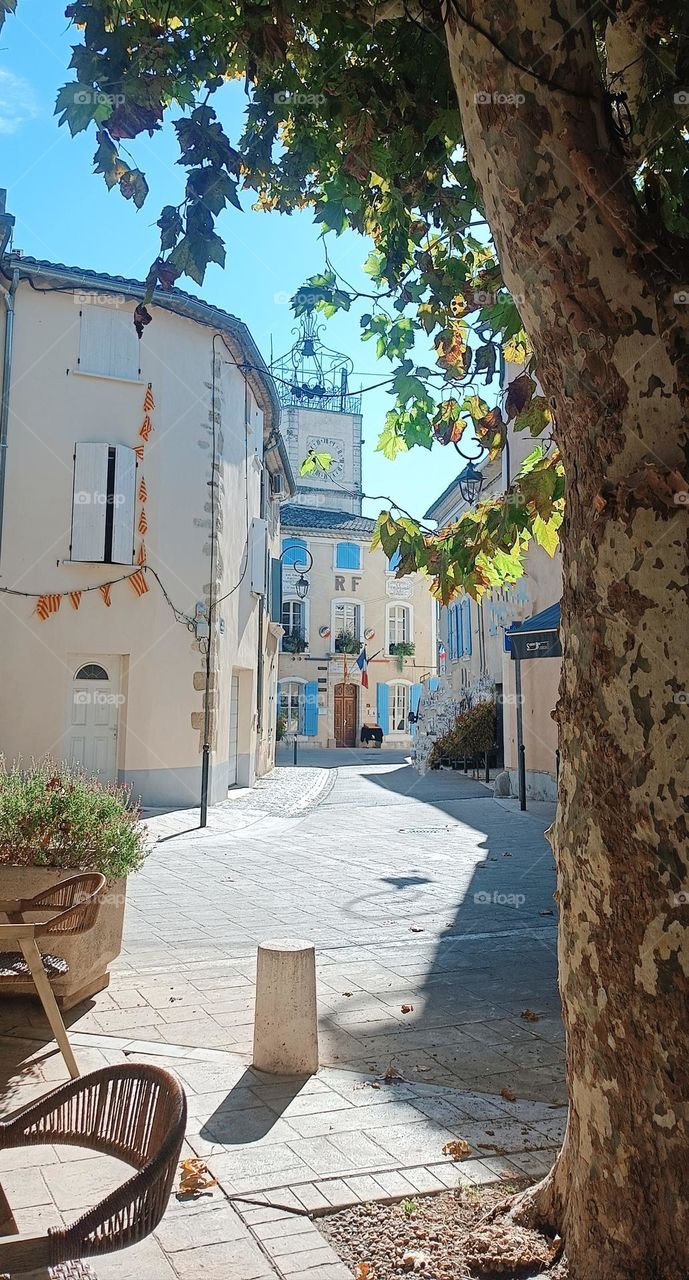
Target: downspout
(260, 677)
(8, 295)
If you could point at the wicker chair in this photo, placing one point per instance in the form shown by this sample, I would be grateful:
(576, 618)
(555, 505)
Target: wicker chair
(134, 1112)
(76, 902)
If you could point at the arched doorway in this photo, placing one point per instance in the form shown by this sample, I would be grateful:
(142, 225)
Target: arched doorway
(346, 718)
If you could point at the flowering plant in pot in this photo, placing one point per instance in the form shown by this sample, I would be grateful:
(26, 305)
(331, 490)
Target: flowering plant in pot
(54, 822)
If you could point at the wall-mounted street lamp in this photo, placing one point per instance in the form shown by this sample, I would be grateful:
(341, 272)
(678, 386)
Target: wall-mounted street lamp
(470, 483)
(301, 586)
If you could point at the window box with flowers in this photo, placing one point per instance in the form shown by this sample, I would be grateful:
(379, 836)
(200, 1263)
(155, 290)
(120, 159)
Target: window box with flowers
(401, 649)
(294, 642)
(346, 642)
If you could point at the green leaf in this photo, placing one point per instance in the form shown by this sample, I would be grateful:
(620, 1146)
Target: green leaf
(193, 253)
(390, 442)
(315, 462)
(80, 104)
(545, 533)
(535, 418)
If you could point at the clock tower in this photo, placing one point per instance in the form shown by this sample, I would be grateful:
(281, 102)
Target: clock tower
(321, 415)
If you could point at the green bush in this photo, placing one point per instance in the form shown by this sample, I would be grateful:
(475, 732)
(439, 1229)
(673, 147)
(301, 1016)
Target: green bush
(280, 728)
(473, 734)
(54, 816)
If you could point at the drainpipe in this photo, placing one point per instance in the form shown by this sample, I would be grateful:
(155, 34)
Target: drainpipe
(8, 295)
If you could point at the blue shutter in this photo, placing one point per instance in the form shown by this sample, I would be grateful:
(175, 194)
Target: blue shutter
(275, 590)
(466, 619)
(414, 700)
(459, 646)
(311, 709)
(434, 683)
(393, 562)
(382, 707)
(347, 556)
(293, 545)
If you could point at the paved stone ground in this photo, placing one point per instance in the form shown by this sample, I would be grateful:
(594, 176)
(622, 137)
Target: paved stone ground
(282, 1150)
(417, 892)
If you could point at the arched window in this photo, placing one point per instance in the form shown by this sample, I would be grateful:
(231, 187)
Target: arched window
(347, 555)
(292, 552)
(399, 694)
(399, 624)
(91, 671)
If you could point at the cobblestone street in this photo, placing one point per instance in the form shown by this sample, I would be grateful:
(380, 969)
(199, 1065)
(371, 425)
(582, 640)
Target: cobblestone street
(423, 894)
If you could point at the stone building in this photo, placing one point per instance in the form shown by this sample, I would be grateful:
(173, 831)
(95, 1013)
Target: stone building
(140, 484)
(475, 654)
(355, 605)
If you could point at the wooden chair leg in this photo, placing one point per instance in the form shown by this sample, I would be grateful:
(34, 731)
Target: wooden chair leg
(33, 958)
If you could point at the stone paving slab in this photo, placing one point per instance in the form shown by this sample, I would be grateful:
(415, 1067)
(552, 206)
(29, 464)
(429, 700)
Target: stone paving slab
(273, 1180)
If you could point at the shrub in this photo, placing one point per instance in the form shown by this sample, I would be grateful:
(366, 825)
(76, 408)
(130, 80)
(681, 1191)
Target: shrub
(473, 734)
(280, 728)
(55, 816)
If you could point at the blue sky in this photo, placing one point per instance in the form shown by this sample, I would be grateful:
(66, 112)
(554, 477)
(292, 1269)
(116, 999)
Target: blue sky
(65, 213)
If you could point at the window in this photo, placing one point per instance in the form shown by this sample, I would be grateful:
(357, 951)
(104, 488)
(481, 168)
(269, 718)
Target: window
(92, 671)
(399, 624)
(294, 623)
(292, 549)
(292, 705)
(298, 702)
(393, 562)
(103, 503)
(108, 344)
(347, 555)
(347, 617)
(399, 707)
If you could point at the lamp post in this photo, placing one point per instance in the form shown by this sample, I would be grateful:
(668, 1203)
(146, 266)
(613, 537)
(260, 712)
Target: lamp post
(301, 588)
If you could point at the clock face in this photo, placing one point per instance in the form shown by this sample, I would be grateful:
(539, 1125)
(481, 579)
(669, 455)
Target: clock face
(324, 444)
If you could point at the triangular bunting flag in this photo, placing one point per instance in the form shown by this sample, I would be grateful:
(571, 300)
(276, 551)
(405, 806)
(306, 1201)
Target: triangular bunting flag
(138, 582)
(149, 402)
(141, 558)
(143, 522)
(143, 491)
(146, 428)
(105, 592)
(47, 605)
(75, 599)
(139, 451)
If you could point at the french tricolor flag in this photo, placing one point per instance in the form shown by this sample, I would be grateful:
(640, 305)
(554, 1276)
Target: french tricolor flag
(362, 664)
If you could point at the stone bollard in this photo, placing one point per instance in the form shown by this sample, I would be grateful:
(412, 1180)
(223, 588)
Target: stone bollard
(286, 1017)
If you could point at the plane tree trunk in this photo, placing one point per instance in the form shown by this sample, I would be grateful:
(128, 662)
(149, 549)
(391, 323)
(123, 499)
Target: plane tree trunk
(599, 288)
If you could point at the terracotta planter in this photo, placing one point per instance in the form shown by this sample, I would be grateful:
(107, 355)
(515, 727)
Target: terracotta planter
(89, 954)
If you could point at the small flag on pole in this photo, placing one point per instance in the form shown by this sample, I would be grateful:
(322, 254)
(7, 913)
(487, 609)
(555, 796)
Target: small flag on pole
(362, 664)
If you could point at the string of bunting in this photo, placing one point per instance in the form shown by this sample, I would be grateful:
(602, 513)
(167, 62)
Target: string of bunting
(49, 603)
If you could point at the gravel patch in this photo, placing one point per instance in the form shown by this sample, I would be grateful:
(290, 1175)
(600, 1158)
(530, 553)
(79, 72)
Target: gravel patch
(427, 1237)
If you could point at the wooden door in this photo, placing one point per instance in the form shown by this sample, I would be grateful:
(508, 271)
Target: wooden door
(345, 715)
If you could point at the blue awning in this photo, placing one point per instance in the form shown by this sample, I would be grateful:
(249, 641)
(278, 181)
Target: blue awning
(536, 637)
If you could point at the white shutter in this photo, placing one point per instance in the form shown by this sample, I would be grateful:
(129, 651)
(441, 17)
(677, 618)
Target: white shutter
(89, 501)
(108, 343)
(124, 503)
(259, 555)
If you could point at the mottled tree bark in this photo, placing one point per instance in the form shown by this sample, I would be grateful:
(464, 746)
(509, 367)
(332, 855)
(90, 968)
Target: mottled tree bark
(596, 288)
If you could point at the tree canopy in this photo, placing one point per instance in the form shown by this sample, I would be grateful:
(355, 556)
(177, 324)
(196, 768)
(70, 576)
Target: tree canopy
(352, 111)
